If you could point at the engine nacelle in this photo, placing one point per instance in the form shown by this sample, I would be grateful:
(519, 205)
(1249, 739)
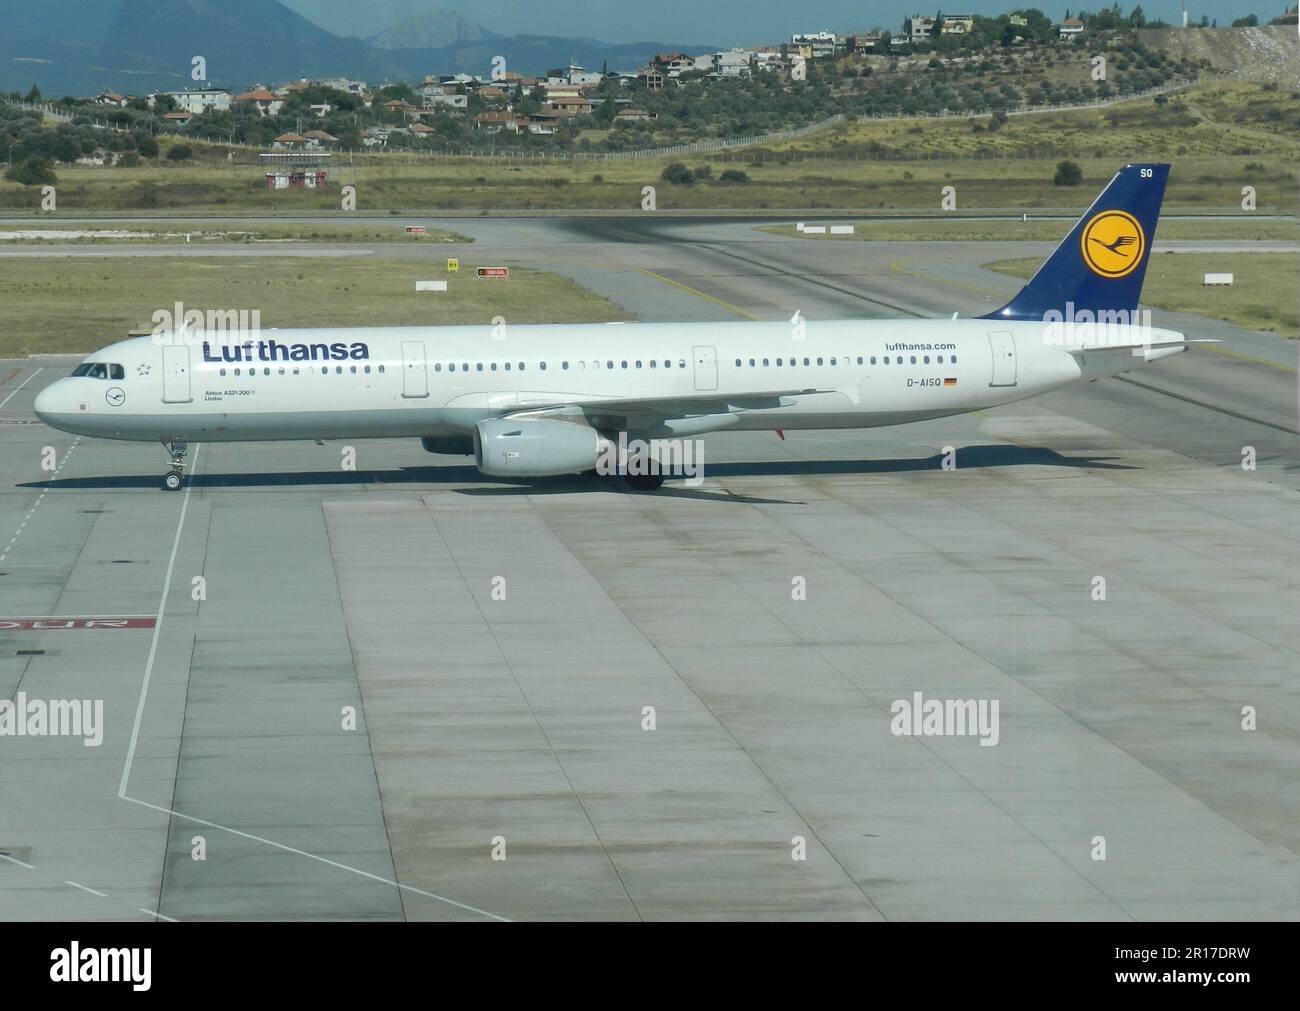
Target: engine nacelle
(530, 447)
(452, 445)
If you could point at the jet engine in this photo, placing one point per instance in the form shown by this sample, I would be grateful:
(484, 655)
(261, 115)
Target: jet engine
(531, 447)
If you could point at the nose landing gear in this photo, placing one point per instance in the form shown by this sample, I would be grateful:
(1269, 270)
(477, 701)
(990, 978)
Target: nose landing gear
(175, 476)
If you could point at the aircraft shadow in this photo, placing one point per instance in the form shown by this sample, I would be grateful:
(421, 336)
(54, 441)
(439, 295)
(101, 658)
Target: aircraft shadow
(968, 458)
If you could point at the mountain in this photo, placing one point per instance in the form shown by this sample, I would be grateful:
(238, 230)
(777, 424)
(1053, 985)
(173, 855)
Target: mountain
(81, 47)
(431, 30)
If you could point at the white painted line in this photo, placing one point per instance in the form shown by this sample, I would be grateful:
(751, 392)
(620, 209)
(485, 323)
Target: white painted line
(15, 860)
(157, 632)
(135, 736)
(19, 387)
(92, 891)
(319, 859)
(40, 498)
(154, 912)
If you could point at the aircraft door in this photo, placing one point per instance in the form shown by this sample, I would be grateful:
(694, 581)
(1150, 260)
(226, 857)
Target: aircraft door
(706, 367)
(1003, 346)
(176, 374)
(415, 374)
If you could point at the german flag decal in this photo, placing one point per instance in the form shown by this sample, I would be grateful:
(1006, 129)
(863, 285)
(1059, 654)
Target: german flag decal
(949, 381)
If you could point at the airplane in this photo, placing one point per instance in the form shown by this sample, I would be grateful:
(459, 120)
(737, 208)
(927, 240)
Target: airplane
(553, 399)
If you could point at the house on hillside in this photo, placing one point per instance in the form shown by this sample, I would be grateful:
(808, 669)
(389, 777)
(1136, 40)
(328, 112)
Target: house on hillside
(1070, 28)
(200, 100)
(266, 102)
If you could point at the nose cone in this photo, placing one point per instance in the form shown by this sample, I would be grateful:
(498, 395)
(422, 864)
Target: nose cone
(45, 404)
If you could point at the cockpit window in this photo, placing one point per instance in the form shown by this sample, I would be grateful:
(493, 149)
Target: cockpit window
(98, 370)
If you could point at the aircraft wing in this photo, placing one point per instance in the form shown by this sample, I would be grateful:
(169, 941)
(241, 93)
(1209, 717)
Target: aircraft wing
(645, 413)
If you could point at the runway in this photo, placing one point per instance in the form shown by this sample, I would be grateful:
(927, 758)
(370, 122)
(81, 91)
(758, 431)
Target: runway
(502, 646)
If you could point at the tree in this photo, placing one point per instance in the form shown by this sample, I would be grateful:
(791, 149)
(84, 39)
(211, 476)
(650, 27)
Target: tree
(1068, 173)
(180, 152)
(35, 170)
(34, 95)
(678, 174)
(1249, 21)
(147, 146)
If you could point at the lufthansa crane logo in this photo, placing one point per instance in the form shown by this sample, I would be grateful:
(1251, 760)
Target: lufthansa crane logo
(1113, 243)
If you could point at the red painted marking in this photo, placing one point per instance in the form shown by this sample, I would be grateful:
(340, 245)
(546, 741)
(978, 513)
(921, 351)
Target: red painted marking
(415, 229)
(493, 271)
(68, 624)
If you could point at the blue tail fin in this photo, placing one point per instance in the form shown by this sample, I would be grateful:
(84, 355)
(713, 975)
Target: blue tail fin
(1101, 263)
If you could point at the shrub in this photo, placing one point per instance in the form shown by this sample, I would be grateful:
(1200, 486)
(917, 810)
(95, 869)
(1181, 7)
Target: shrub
(33, 170)
(678, 174)
(703, 172)
(1068, 173)
(180, 152)
(147, 146)
(733, 175)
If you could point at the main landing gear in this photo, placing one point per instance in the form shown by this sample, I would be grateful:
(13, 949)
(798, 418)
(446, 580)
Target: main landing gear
(175, 476)
(644, 482)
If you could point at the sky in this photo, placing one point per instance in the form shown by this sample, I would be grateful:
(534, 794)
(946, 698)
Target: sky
(720, 22)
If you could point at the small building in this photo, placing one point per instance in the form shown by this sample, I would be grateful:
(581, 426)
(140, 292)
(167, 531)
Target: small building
(652, 78)
(956, 24)
(918, 27)
(266, 102)
(199, 101)
(733, 63)
(111, 98)
(179, 117)
(634, 116)
(565, 105)
(318, 137)
(287, 170)
(495, 122)
(1069, 28)
(290, 140)
(543, 123)
(862, 42)
(818, 45)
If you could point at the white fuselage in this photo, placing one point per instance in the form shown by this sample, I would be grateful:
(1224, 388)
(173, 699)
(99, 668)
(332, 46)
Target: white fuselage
(440, 381)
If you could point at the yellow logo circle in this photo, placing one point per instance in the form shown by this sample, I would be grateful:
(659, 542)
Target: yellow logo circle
(1113, 243)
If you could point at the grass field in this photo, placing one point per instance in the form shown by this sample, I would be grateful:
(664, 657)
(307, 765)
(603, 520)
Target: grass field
(1216, 136)
(1263, 295)
(179, 232)
(56, 305)
(956, 229)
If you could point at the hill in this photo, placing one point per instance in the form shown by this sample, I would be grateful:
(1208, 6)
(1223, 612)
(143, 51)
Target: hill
(81, 47)
(1267, 53)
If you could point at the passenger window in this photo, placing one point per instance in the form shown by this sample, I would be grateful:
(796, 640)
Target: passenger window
(765, 363)
(913, 359)
(610, 365)
(751, 363)
(873, 359)
(223, 372)
(282, 372)
(564, 365)
(952, 359)
(819, 361)
(381, 368)
(927, 359)
(941, 359)
(540, 365)
(807, 361)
